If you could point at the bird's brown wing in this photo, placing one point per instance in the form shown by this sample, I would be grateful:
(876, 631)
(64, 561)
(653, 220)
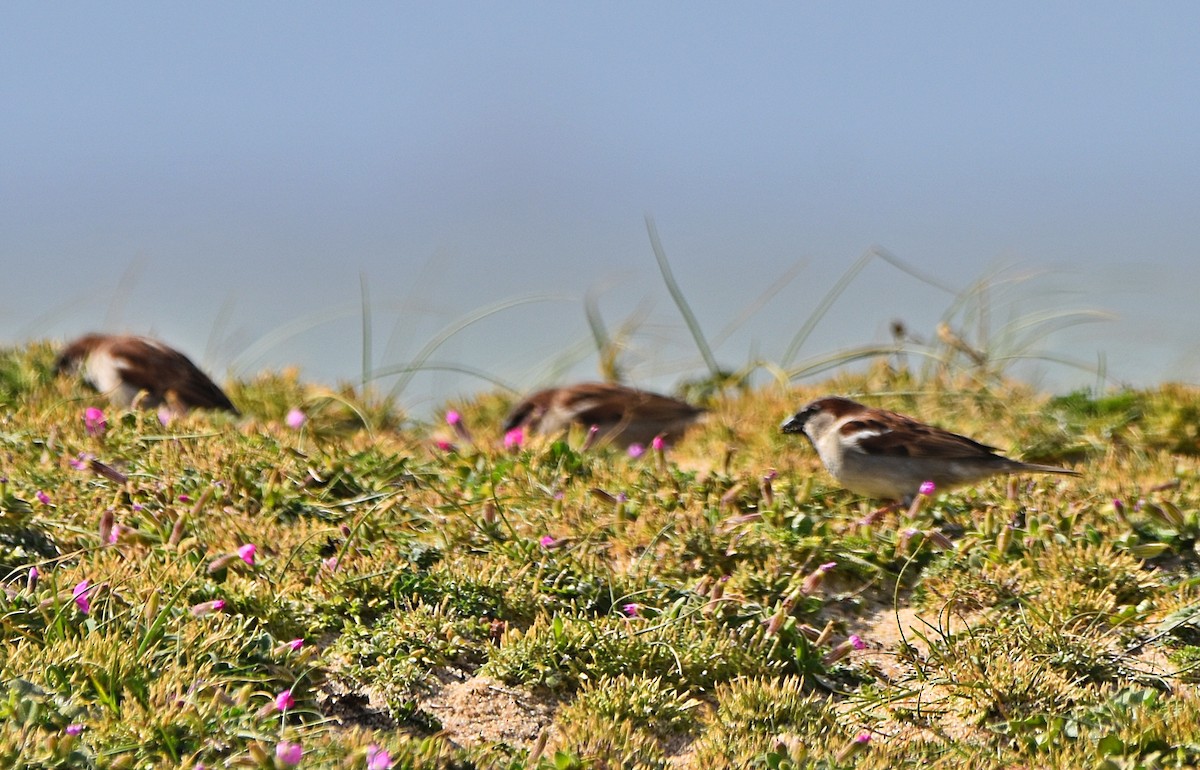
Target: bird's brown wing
(899, 436)
(161, 370)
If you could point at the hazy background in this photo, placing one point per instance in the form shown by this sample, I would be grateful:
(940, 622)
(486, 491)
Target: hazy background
(213, 172)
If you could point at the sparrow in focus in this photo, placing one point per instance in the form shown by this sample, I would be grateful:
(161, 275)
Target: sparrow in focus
(143, 372)
(622, 415)
(885, 455)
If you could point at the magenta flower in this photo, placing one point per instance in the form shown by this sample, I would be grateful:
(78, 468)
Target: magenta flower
(207, 608)
(455, 420)
(444, 444)
(296, 644)
(514, 438)
(378, 759)
(42, 497)
(32, 581)
(813, 581)
(247, 552)
(636, 450)
(630, 610)
(94, 422)
(289, 753)
(284, 700)
(854, 747)
(295, 419)
(81, 461)
(857, 643)
(79, 593)
(547, 541)
(927, 488)
(658, 444)
(74, 729)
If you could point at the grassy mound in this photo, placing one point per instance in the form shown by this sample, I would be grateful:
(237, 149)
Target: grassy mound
(362, 591)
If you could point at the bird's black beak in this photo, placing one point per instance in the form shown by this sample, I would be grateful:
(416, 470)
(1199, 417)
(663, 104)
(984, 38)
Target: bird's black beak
(795, 423)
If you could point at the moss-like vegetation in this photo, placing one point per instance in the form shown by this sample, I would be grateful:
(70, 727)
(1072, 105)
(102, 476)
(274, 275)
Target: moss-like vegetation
(724, 604)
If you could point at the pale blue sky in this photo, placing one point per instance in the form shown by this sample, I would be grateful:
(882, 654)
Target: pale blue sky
(243, 163)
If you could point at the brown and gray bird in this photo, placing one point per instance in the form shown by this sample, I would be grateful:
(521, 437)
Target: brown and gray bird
(622, 415)
(143, 372)
(885, 455)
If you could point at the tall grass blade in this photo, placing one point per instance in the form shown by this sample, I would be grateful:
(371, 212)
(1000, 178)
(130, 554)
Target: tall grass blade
(689, 317)
(823, 307)
(776, 286)
(286, 331)
(366, 329)
(439, 366)
(904, 267)
(418, 361)
(827, 361)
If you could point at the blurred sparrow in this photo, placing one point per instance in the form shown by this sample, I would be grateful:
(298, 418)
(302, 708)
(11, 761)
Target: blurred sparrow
(622, 416)
(885, 455)
(141, 372)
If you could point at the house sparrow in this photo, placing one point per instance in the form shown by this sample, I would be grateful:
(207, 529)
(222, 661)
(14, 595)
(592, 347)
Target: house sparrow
(622, 415)
(139, 371)
(885, 455)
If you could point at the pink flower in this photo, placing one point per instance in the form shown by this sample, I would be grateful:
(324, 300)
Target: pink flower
(94, 422)
(862, 738)
(857, 643)
(658, 444)
(289, 753)
(296, 644)
(81, 461)
(514, 438)
(636, 450)
(927, 488)
(42, 497)
(630, 610)
(295, 419)
(247, 552)
(590, 440)
(378, 759)
(813, 581)
(444, 444)
(207, 608)
(165, 415)
(547, 541)
(455, 420)
(79, 593)
(284, 700)
(74, 729)
(32, 581)
(185, 498)
(330, 564)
